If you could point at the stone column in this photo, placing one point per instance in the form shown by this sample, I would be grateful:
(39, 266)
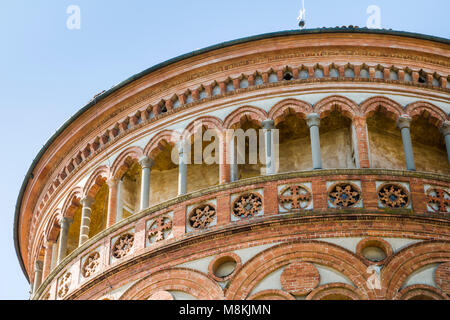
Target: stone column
(54, 262)
(182, 169)
(362, 142)
(313, 121)
(37, 275)
(224, 171)
(62, 250)
(86, 211)
(146, 164)
(404, 122)
(268, 126)
(446, 132)
(234, 170)
(48, 253)
(112, 201)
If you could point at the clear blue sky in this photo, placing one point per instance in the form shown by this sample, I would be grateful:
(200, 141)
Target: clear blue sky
(48, 72)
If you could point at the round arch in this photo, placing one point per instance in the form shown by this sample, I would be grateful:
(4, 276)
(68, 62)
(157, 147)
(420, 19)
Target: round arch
(120, 165)
(391, 108)
(208, 122)
(160, 140)
(244, 112)
(282, 109)
(186, 280)
(436, 116)
(52, 228)
(342, 104)
(95, 181)
(410, 259)
(72, 202)
(330, 255)
(421, 290)
(334, 289)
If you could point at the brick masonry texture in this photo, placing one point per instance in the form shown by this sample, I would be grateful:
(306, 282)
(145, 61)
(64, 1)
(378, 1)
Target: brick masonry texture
(102, 154)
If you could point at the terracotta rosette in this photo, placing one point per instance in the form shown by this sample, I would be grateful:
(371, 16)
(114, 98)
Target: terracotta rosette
(247, 205)
(90, 265)
(299, 200)
(344, 194)
(202, 216)
(393, 195)
(123, 245)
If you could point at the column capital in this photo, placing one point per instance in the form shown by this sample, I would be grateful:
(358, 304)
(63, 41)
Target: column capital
(146, 162)
(404, 121)
(445, 129)
(64, 222)
(181, 146)
(268, 124)
(313, 119)
(112, 182)
(359, 121)
(49, 242)
(38, 265)
(87, 201)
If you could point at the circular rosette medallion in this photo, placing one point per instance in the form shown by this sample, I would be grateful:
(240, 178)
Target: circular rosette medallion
(91, 264)
(438, 200)
(202, 216)
(64, 284)
(295, 197)
(160, 229)
(344, 195)
(247, 205)
(393, 196)
(123, 245)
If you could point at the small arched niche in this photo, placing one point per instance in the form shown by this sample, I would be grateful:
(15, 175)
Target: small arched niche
(248, 159)
(164, 174)
(129, 190)
(385, 142)
(293, 136)
(336, 141)
(203, 169)
(430, 153)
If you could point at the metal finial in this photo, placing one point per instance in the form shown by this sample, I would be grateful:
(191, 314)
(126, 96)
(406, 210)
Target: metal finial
(302, 16)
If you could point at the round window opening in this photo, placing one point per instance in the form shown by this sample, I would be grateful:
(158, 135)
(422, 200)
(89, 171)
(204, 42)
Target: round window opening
(374, 254)
(224, 267)
(374, 250)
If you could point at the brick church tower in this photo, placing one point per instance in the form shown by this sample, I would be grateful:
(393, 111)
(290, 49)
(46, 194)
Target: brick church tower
(349, 200)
